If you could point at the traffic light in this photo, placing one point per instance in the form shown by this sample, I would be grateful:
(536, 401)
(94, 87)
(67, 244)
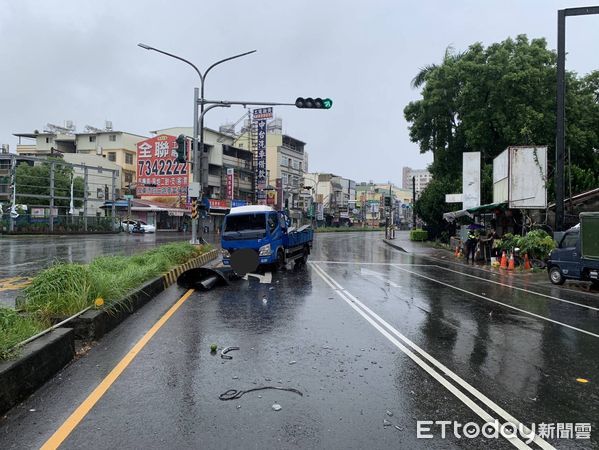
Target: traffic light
(181, 149)
(313, 103)
(387, 202)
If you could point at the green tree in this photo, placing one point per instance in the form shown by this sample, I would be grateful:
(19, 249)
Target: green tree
(35, 180)
(486, 99)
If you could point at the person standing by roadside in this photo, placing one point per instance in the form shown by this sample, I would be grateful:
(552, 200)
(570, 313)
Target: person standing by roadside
(471, 246)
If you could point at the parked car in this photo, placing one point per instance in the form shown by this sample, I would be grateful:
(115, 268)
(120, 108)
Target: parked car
(577, 256)
(132, 226)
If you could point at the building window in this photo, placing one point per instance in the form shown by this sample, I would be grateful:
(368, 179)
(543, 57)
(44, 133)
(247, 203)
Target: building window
(289, 162)
(128, 177)
(47, 140)
(128, 158)
(300, 166)
(112, 137)
(112, 156)
(284, 179)
(92, 138)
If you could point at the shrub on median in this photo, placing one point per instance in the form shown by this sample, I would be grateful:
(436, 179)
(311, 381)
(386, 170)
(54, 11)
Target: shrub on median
(66, 288)
(418, 235)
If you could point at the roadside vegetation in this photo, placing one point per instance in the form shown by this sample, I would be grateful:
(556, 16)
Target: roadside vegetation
(15, 328)
(65, 289)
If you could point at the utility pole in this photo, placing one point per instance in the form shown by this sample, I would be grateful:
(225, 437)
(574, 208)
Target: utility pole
(85, 181)
(560, 140)
(52, 170)
(413, 203)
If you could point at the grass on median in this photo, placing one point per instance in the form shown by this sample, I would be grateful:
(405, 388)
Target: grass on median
(15, 328)
(65, 288)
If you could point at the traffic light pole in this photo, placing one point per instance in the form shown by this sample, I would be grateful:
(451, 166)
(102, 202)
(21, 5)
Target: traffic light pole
(560, 139)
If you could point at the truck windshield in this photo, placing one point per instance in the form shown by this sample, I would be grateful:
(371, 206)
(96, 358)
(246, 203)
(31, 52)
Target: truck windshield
(245, 226)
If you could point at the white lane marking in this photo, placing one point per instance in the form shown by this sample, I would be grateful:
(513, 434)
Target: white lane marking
(498, 302)
(518, 288)
(379, 276)
(361, 308)
(370, 263)
(582, 305)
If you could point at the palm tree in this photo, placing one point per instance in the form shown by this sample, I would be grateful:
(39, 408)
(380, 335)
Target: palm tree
(449, 57)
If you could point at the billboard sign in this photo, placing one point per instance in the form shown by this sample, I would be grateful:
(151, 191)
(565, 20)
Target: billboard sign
(320, 211)
(157, 165)
(230, 183)
(500, 177)
(528, 177)
(262, 113)
(470, 179)
(261, 180)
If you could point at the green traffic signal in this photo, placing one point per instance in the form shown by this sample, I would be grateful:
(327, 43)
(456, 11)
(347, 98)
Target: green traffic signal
(181, 149)
(313, 103)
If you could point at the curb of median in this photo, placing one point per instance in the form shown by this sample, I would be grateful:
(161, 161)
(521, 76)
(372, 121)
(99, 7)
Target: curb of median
(38, 362)
(93, 324)
(395, 246)
(42, 358)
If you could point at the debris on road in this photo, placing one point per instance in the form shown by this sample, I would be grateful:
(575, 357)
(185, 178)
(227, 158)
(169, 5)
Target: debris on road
(232, 394)
(292, 362)
(223, 353)
(213, 348)
(276, 407)
(389, 413)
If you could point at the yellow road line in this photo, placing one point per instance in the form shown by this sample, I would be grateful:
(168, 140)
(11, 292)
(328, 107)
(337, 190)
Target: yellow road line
(79, 414)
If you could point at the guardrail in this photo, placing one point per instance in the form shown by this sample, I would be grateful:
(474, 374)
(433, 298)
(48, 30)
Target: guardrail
(63, 224)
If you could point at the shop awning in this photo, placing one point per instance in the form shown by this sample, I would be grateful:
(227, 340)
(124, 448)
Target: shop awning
(453, 215)
(471, 212)
(487, 208)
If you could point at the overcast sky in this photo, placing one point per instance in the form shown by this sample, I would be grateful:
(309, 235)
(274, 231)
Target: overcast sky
(78, 60)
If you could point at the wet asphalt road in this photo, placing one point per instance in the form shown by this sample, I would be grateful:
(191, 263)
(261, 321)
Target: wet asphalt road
(368, 334)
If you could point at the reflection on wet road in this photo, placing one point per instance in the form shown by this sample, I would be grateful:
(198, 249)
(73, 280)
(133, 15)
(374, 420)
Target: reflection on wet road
(375, 339)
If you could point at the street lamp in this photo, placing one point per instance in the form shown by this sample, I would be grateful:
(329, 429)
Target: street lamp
(201, 101)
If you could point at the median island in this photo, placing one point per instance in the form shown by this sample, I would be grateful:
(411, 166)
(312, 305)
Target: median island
(65, 289)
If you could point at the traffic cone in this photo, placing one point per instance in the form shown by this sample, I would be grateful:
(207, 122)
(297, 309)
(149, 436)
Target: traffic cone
(503, 264)
(527, 265)
(511, 263)
(457, 251)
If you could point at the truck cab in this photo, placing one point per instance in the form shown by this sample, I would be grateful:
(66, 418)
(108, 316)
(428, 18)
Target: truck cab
(577, 254)
(267, 232)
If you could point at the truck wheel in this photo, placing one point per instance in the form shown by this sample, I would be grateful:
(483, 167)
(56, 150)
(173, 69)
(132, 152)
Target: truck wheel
(303, 260)
(555, 275)
(280, 264)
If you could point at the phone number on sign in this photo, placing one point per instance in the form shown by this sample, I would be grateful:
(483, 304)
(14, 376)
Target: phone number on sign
(161, 167)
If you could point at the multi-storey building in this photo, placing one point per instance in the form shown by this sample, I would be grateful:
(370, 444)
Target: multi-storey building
(422, 179)
(117, 147)
(222, 155)
(286, 161)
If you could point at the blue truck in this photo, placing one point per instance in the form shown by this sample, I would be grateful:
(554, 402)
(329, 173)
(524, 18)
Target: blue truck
(268, 233)
(577, 254)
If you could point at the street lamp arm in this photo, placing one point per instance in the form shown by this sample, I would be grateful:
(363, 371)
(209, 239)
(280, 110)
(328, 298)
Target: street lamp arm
(147, 47)
(227, 59)
(220, 62)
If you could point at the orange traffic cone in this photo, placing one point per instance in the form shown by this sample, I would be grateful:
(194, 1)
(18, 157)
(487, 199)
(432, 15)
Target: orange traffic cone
(511, 263)
(503, 264)
(527, 265)
(457, 251)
